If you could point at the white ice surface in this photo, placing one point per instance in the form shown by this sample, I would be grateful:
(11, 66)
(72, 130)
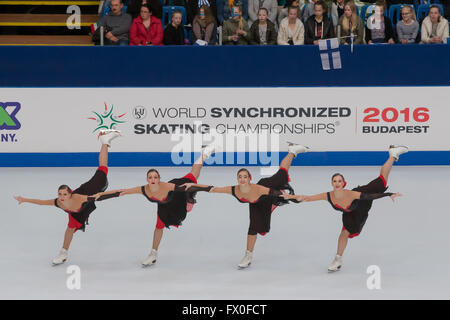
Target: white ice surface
(409, 240)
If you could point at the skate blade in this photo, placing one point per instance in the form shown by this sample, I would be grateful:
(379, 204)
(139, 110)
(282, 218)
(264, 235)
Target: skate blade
(57, 264)
(333, 271)
(242, 268)
(148, 265)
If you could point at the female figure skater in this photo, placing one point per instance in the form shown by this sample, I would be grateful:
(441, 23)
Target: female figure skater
(172, 199)
(77, 203)
(356, 203)
(263, 197)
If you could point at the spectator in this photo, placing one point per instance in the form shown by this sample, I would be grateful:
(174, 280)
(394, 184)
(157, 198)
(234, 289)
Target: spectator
(255, 5)
(284, 12)
(174, 32)
(224, 8)
(337, 10)
(117, 25)
(235, 30)
(379, 27)
(204, 26)
(309, 9)
(146, 29)
(292, 31)
(408, 27)
(434, 26)
(194, 5)
(350, 23)
(134, 7)
(318, 26)
(263, 30)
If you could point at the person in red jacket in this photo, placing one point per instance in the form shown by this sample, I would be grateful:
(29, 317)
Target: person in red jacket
(146, 29)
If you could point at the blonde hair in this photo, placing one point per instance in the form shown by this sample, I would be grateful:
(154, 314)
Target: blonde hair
(413, 14)
(354, 17)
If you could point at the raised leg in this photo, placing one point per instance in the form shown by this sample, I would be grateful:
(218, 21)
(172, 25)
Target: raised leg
(287, 161)
(386, 168)
(197, 166)
(103, 156)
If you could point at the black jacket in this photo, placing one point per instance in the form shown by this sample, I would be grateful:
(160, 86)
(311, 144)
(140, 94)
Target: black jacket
(310, 27)
(271, 34)
(388, 31)
(173, 36)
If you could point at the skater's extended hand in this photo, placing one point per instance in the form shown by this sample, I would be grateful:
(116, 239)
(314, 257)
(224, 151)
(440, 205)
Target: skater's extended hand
(19, 199)
(187, 185)
(395, 195)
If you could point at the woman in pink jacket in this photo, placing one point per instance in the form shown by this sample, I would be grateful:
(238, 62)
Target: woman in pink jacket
(146, 29)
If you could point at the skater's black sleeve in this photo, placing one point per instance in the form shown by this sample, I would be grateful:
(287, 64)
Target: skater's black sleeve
(105, 197)
(192, 189)
(373, 196)
(278, 195)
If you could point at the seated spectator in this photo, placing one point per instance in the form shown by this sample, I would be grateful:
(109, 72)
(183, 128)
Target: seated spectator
(379, 27)
(255, 5)
(263, 30)
(337, 11)
(292, 31)
(235, 30)
(408, 27)
(134, 7)
(309, 9)
(318, 26)
(204, 26)
(194, 5)
(224, 8)
(284, 12)
(146, 29)
(350, 23)
(434, 26)
(117, 25)
(174, 32)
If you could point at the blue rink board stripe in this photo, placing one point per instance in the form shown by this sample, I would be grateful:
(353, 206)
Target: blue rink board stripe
(156, 159)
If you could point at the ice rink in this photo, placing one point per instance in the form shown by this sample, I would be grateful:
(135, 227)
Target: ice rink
(408, 240)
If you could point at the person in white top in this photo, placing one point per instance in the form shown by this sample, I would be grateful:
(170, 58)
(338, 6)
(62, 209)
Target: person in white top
(434, 26)
(292, 31)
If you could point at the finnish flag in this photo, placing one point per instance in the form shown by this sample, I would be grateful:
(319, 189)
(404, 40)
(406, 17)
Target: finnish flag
(329, 54)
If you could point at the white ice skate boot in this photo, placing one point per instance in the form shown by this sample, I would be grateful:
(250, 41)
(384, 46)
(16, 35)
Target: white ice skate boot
(246, 261)
(296, 148)
(106, 136)
(208, 150)
(151, 259)
(61, 258)
(336, 264)
(396, 151)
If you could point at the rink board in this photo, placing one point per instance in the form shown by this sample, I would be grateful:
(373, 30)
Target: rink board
(167, 126)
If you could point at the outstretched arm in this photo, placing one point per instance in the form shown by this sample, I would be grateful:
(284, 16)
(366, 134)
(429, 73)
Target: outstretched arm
(303, 198)
(35, 201)
(116, 193)
(374, 196)
(193, 187)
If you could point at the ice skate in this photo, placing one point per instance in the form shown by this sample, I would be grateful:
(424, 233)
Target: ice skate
(61, 258)
(295, 148)
(396, 151)
(106, 136)
(151, 259)
(336, 264)
(208, 150)
(246, 261)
